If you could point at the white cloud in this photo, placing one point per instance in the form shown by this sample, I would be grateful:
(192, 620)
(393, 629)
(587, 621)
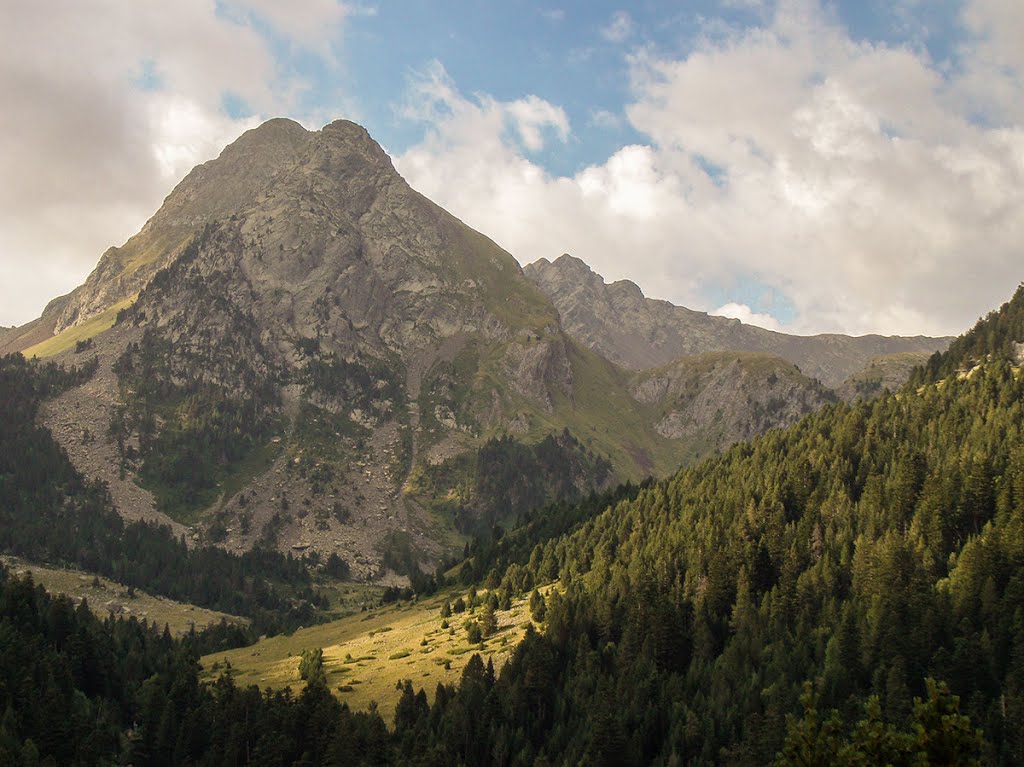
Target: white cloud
(748, 316)
(850, 177)
(310, 24)
(619, 29)
(532, 115)
(435, 100)
(994, 58)
(94, 146)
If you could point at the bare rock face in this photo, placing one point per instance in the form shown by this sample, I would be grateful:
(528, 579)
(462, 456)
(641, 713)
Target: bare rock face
(539, 371)
(620, 323)
(723, 398)
(216, 189)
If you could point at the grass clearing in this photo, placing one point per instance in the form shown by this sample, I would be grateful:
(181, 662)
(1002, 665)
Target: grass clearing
(367, 654)
(69, 337)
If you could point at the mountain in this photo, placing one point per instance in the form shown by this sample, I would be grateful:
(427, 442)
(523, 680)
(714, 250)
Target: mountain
(300, 352)
(846, 591)
(296, 325)
(618, 322)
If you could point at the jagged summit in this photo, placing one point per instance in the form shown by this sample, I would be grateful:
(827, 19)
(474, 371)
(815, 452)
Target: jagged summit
(339, 165)
(617, 321)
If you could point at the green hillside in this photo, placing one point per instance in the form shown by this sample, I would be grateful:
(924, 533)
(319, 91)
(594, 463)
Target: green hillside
(366, 655)
(865, 550)
(847, 591)
(79, 334)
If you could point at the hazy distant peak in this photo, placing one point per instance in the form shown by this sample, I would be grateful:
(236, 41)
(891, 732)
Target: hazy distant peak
(617, 321)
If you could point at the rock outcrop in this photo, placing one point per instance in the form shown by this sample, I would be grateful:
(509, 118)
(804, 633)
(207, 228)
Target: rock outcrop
(720, 398)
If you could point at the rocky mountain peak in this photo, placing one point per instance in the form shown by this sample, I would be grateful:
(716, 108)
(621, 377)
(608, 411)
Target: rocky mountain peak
(569, 264)
(275, 131)
(278, 164)
(567, 273)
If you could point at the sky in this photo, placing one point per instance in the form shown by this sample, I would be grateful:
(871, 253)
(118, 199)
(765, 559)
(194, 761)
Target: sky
(850, 166)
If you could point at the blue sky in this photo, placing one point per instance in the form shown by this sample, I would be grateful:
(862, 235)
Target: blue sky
(853, 166)
(570, 54)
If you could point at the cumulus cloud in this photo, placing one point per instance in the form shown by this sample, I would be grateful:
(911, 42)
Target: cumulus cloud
(107, 105)
(532, 115)
(746, 315)
(853, 178)
(455, 119)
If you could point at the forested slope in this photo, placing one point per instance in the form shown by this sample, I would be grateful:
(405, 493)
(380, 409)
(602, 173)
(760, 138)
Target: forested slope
(870, 555)
(866, 549)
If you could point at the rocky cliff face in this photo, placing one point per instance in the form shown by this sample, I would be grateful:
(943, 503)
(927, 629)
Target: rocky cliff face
(719, 398)
(620, 323)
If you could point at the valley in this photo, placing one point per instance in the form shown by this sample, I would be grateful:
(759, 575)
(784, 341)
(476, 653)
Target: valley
(458, 511)
(512, 384)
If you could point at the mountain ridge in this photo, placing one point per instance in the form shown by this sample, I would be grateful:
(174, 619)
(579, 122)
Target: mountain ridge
(617, 320)
(302, 331)
(299, 351)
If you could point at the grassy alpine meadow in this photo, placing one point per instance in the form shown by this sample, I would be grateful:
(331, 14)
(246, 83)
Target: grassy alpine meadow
(367, 654)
